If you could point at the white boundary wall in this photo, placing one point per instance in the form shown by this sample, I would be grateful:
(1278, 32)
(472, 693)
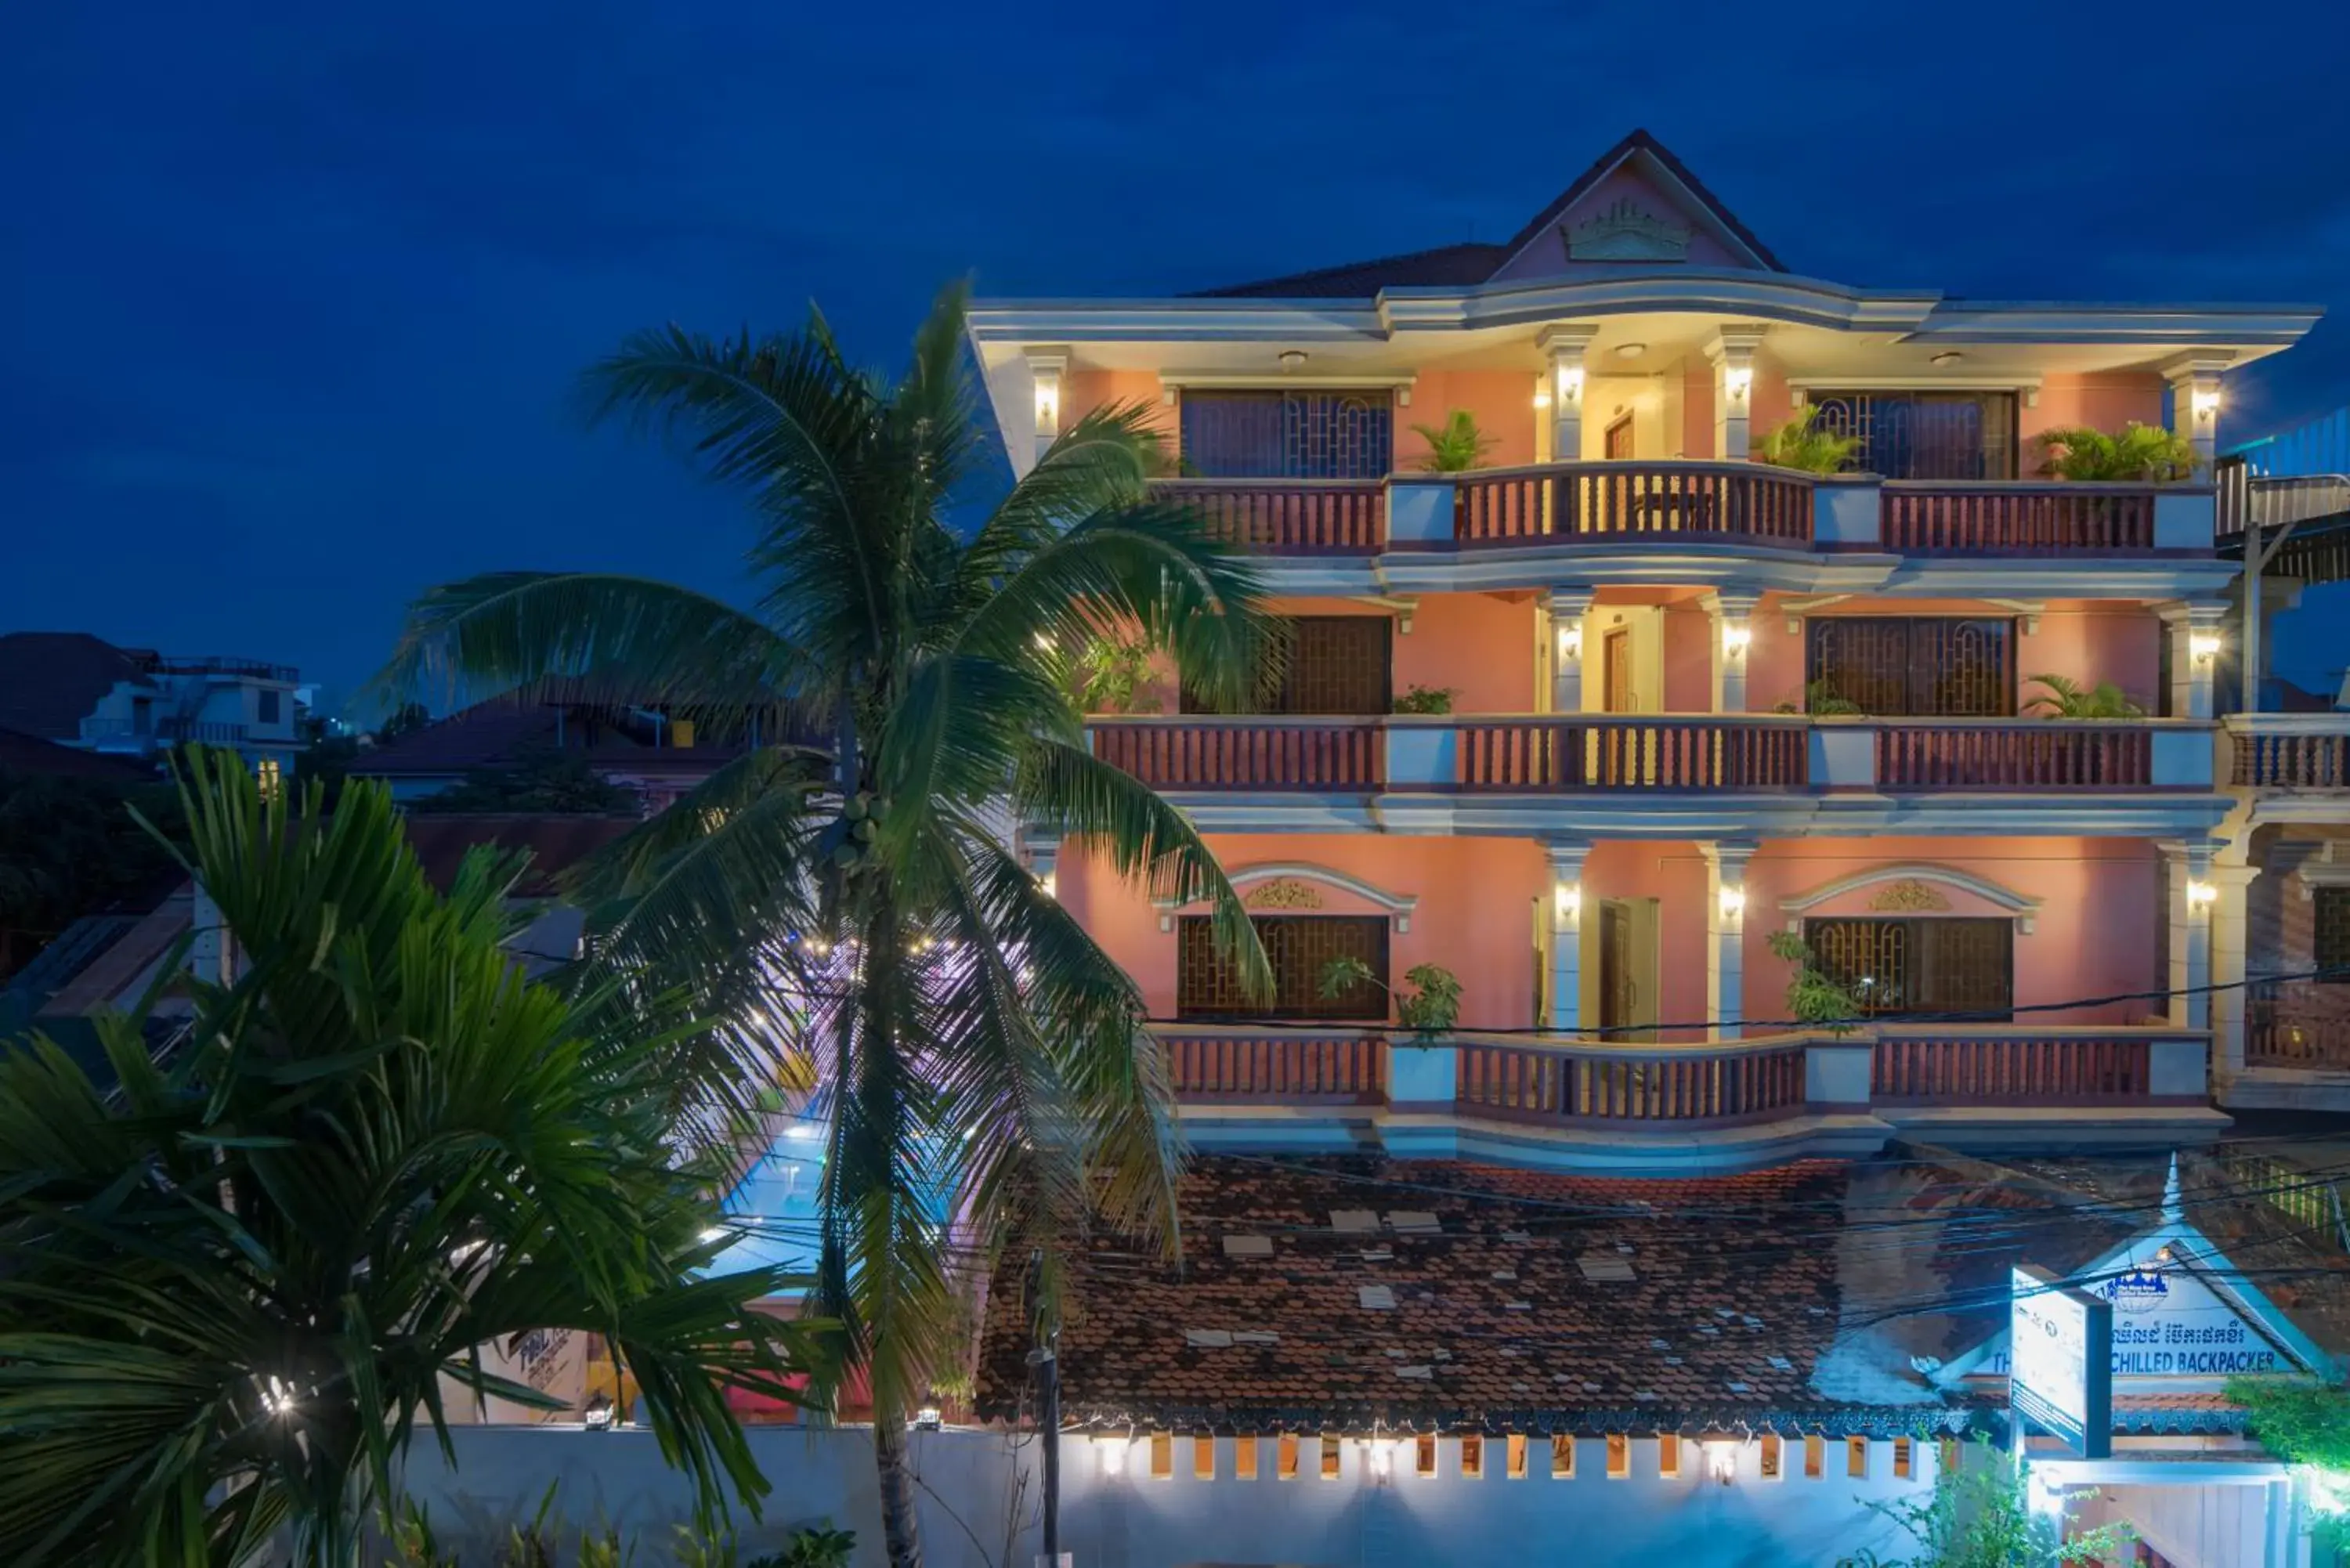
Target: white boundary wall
(1133, 1520)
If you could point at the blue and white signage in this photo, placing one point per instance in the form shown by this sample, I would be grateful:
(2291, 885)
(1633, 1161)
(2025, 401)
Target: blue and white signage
(2169, 1324)
(2061, 1360)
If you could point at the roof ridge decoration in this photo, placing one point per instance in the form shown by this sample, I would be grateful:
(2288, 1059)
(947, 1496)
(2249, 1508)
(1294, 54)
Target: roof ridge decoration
(1626, 232)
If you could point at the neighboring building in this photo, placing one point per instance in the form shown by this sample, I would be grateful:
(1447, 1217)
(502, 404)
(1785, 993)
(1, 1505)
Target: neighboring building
(638, 749)
(24, 753)
(2283, 918)
(1626, 801)
(76, 689)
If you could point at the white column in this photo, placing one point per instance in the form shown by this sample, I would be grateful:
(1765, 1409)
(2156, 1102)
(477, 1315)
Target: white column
(2194, 629)
(1566, 859)
(2195, 402)
(2229, 941)
(2192, 895)
(1565, 612)
(1731, 354)
(1564, 347)
(1725, 947)
(1047, 367)
(1732, 619)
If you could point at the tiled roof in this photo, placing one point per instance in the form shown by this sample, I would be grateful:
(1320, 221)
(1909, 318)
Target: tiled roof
(24, 753)
(1359, 1293)
(51, 680)
(1461, 265)
(556, 843)
(1309, 1294)
(492, 734)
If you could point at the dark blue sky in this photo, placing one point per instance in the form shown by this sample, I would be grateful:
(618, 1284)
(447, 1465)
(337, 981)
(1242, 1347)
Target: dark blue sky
(294, 298)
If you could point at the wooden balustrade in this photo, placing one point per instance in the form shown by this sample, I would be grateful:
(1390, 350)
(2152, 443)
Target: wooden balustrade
(1291, 1066)
(2293, 761)
(1600, 500)
(1691, 1083)
(1633, 753)
(2025, 754)
(2311, 1043)
(1207, 753)
(1289, 516)
(1927, 515)
(2010, 1067)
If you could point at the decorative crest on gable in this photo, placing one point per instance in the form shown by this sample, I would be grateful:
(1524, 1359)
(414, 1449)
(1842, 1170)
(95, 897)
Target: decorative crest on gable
(1908, 893)
(1283, 893)
(1625, 233)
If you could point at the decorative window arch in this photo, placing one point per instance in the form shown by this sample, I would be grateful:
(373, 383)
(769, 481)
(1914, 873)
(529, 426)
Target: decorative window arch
(1915, 889)
(1297, 885)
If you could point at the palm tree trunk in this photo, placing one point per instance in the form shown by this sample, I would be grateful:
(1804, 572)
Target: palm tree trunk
(901, 1531)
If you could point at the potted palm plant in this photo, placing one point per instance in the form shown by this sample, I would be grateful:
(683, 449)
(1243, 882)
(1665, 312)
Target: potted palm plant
(1455, 446)
(1429, 1010)
(2069, 699)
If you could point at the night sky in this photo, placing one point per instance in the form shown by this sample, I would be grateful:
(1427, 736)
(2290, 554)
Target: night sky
(295, 299)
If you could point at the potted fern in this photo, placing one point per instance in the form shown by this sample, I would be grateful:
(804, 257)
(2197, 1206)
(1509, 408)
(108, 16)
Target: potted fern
(1429, 1010)
(1455, 446)
(1799, 442)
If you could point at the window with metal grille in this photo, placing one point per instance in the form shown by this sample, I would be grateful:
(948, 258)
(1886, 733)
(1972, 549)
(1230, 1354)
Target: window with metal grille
(1338, 434)
(1925, 435)
(1330, 664)
(1961, 964)
(1922, 665)
(2330, 934)
(1299, 946)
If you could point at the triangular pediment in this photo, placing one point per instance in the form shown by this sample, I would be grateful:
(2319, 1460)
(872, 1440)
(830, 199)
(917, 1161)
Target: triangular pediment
(1637, 207)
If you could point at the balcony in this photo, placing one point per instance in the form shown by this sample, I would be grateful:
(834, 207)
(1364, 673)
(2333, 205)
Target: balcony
(1637, 502)
(1653, 754)
(1576, 1103)
(2290, 751)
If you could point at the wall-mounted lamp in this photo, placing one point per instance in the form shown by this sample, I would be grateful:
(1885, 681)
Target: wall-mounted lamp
(1048, 403)
(1382, 1456)
(2205, 402)
(2203, 646)
(1112, 1453)
(1733, 904)
(1570, 641)
(1566, 898)
(2201, 895)
(1737, 380)
(1736, 636)
(1049, 884)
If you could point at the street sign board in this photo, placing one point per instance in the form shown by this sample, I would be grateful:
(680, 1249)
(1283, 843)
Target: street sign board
(2061, 1360)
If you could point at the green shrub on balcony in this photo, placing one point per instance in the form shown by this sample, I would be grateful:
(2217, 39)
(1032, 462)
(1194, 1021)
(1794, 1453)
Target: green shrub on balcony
(1115, 676)
(1427, 700)
(1430, 1009)
(1455, 446)
(2145, 454)
(1798, 442)
(1814, 998)
(2066, 698)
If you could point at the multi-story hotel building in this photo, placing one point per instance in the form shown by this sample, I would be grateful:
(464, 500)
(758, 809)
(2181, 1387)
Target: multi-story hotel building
(1586, 724)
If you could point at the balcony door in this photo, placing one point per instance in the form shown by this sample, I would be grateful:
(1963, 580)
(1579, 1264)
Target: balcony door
(1913, 666)
(1961, 967)
(1925, 435)
(1299, 947)
(1300, 434)
(1330, 664)
(1619, 968)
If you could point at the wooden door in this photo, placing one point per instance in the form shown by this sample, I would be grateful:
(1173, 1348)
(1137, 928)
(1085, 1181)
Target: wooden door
(1615, 666)
(1617, 996)
(1619, 439)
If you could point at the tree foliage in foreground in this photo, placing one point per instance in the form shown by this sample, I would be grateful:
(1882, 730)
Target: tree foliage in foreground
(994, 1090)
(231, 1291)
(1979, 1515)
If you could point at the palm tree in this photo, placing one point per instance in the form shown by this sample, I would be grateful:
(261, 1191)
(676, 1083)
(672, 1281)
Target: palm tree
(993, 1089)
(232, 1283)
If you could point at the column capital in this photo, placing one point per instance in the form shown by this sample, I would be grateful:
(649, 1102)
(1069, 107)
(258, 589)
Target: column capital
(2201, 614)
(1727, 856)
(1734, 342)
(1732, 603)
(1568, 601)
(1566, 856)
(1566, 337)
(2203, 366)
(1046, 359)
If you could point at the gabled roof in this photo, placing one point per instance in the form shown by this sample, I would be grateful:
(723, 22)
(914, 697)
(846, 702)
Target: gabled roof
(24, 753)
(554, 844)
(1463, 266)
(51, 680)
